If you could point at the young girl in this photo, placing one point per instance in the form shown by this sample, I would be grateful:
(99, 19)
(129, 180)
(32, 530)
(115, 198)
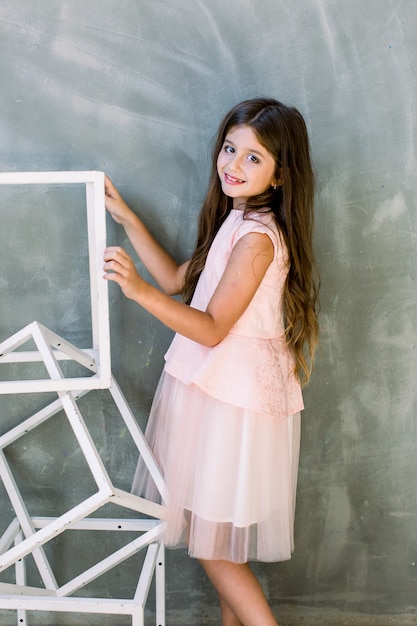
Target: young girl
(225, 421)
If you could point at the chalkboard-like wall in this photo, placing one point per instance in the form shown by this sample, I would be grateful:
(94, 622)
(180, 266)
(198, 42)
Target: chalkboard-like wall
(137, 89)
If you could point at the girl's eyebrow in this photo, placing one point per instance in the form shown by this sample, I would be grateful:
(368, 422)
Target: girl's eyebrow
(249, 149)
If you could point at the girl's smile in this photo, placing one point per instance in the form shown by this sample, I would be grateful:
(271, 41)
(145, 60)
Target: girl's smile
(231, 180)
(244, 166)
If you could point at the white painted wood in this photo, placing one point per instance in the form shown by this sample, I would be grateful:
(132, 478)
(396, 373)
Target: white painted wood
(67, 349)
(96, 221)
(153, 530)
(30, 534)
(20, 566)
(107, 491)
(50, 349)
(105, 606)
(160, 586)
(16, 340)
(77, 518)
(45, 386)
(102, 523)
(28, 529)
(136, 503)
(138, 617)
(86, 443)
(111, 561)
(32, 422)
(139, 439)
(51, 178)
(57, 526)
(145, 579)
(12, 590)
(9, 535)
(32, 357)
(45, 349)
(20, 569)
(98, 286)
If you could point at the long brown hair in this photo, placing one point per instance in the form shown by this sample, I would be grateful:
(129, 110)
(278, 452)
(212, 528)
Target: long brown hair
(282, 131)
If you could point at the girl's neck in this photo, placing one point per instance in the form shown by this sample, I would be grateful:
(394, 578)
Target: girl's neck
(239, 205)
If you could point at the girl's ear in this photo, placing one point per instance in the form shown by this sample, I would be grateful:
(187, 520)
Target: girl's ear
(278, 182)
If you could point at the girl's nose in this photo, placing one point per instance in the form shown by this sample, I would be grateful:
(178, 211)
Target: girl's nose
(235, 163)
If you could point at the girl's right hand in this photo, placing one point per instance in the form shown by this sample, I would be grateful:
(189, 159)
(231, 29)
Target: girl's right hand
(115, 204)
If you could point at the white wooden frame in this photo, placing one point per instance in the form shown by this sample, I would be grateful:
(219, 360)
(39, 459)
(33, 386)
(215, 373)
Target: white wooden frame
(30, 534)
(22, 598)
(100, 350)
(27, 535)
(106, 492)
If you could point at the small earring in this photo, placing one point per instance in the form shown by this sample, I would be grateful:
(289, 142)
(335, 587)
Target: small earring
(274, 187)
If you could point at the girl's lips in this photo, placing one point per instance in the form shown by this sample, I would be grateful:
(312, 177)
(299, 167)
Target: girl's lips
(231, 180)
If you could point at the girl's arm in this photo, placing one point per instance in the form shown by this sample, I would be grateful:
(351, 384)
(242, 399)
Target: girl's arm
(245, 270)
(166, 271)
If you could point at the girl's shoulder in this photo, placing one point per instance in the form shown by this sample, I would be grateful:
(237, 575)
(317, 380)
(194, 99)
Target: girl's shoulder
(262, 221)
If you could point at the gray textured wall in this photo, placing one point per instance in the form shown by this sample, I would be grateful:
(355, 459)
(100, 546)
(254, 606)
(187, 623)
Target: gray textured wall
(137, 89)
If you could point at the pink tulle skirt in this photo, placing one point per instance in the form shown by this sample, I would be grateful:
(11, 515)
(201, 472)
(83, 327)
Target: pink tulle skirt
(231, 475)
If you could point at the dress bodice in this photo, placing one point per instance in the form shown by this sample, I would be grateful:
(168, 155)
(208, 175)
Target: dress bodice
(252, 367)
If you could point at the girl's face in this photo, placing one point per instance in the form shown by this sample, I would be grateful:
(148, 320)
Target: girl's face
(244, 166)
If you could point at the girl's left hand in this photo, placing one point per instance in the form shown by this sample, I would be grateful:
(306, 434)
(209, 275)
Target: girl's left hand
(120, 268)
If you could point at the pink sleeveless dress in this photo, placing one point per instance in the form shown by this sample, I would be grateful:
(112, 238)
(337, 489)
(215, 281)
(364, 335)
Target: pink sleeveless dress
(225, 421)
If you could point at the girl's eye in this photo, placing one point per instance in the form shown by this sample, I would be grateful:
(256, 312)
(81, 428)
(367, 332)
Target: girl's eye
(229, 149)
(253, 158)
